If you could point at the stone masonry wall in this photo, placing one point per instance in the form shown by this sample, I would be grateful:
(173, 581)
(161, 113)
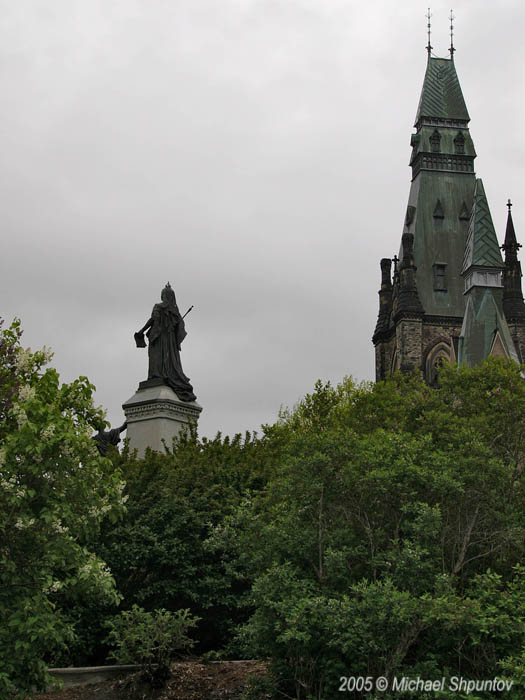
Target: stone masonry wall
(433, 334)
(384, 354)
(413, 342)
(409, 339)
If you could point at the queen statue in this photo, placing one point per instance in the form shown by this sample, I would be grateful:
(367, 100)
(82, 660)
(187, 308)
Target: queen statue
(165, 333)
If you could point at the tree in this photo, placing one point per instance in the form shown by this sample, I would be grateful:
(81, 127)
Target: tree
(390, 539)
(164, 553)
(54, 491)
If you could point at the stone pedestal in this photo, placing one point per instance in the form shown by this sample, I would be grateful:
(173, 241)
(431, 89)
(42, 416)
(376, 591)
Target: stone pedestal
(155, 414)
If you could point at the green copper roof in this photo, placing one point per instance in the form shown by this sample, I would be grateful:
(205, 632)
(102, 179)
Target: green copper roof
(482, 246)
(441, 97)
(440, 240)
(483, 324)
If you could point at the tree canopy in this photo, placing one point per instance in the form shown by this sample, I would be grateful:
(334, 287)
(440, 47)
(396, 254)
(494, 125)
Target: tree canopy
(55, 489)
(372, 530)
(390, 540)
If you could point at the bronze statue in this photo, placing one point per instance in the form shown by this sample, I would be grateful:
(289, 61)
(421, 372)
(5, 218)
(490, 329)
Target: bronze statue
(105, 438)
(165, 334)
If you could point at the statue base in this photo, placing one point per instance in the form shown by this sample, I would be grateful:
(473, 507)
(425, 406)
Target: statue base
(156, 415)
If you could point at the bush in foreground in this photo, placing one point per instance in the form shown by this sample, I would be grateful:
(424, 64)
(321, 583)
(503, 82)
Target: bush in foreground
(151, 639)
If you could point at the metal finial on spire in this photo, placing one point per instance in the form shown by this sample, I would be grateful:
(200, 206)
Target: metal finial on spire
(395, 260)
(429, 47)
(452, 49)
(510, 245)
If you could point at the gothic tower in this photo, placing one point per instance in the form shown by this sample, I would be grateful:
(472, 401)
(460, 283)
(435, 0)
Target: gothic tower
(513, 305)
(423, 299)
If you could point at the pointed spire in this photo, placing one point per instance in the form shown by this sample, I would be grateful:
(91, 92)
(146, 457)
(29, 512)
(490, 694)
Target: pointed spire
(441, 96)
(482, 249)
(511, 246)
(513, 304)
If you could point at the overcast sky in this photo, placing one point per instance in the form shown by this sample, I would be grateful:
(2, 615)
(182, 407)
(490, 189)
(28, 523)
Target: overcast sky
(252, 152)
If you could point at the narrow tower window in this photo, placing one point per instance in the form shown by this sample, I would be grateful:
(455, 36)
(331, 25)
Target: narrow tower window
(440, 277)
(434, 142)
(459, 143)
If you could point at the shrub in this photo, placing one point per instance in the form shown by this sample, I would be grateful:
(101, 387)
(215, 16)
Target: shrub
(150, 639)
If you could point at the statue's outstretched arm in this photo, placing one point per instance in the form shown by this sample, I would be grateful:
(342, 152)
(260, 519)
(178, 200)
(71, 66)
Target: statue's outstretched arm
(139, 335)
(149, 323)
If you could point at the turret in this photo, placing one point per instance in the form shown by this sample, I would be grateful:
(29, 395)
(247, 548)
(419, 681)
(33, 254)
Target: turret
(408, 302)
(513, 304)
(385, 300)
(485, 330)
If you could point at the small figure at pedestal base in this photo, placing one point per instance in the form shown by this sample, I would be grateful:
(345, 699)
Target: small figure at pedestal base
(107, 438)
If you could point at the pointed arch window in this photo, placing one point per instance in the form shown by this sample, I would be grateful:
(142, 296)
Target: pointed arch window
(440, 353)
(435, 140)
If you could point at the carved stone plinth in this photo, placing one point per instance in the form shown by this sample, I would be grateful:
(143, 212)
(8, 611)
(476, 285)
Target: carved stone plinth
(155, 415)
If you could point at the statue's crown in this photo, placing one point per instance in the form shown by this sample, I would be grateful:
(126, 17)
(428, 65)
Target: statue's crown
(168, 294)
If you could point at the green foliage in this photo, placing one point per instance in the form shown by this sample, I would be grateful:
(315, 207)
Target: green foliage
(54, 491)
(373, 530)
(259, 688)
(150, 639)
(388, 540)
(166, 552)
